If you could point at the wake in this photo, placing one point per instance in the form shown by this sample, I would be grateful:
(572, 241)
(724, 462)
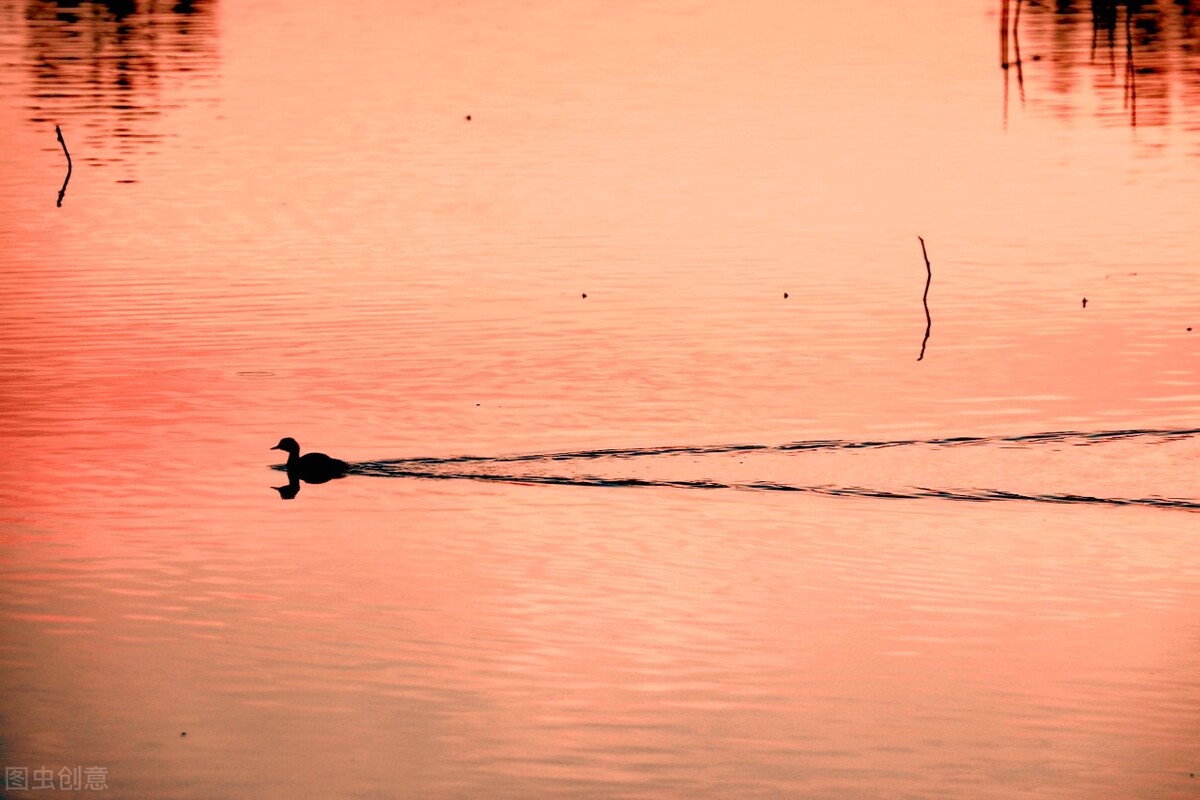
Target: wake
(842, 458)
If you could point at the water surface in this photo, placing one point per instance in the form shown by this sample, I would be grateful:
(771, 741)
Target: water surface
(655, 270)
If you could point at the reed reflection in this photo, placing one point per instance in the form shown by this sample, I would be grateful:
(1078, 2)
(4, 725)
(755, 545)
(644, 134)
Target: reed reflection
(1010, 25)
(1146, 52)
(106, 65)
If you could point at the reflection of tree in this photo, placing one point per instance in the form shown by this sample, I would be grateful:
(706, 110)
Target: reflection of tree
(102, 67)
(1141, 57)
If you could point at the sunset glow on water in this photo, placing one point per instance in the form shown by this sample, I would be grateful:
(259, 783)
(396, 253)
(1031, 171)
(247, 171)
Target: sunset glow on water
(615, 313)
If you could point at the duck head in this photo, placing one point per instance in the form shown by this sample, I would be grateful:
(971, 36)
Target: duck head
(288, 445)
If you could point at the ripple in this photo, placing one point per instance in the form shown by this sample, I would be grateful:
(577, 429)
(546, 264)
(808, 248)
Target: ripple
(483, 468)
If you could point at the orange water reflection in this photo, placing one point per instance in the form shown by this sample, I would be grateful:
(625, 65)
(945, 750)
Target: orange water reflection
(321, 245)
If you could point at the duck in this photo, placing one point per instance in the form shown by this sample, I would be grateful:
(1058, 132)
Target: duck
(310, 467)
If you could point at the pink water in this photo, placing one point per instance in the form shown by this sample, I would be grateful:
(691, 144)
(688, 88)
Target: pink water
(281, 222)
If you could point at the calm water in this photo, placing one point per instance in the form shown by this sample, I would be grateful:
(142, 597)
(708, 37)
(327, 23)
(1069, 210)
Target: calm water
(617, 313)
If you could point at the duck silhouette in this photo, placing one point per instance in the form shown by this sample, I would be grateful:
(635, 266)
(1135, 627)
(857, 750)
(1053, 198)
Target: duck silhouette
(310, 467)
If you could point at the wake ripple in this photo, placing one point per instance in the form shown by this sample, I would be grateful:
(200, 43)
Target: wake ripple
(1079, 438)
(485, 468)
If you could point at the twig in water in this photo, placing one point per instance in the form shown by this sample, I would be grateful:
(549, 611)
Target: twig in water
(925, 299)
(66, 180)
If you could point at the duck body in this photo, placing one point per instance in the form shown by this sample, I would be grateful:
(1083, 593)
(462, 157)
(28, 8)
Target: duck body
(310, 467)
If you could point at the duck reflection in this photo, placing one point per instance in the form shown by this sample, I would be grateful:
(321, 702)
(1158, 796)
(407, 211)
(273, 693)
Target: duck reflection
(309, 468)
(291, 490)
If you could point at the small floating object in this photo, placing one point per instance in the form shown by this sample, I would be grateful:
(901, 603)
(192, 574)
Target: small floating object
(183, 734)
(1085, 302)
(310, 467)
(468, 117)
(585, 295)
(785, 295)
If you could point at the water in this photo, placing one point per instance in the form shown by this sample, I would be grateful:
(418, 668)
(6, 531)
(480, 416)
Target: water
(650, 493)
